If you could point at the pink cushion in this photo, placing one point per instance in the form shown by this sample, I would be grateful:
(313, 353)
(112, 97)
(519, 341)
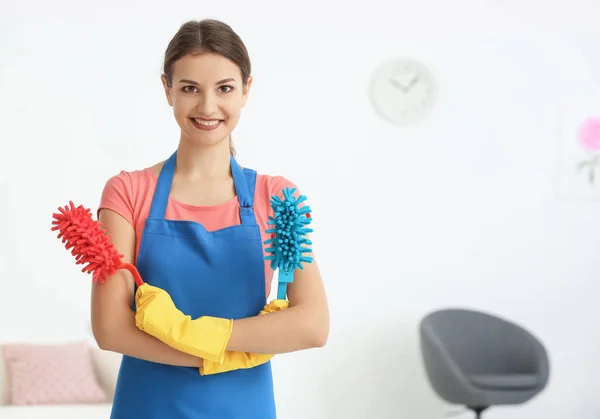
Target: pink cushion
(51, 374)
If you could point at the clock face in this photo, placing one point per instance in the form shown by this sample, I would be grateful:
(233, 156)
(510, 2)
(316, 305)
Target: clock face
(403, 91)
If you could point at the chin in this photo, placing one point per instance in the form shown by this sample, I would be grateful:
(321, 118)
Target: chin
(208, 138)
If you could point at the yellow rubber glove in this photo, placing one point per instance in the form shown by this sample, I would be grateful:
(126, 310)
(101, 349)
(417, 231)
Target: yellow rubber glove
(241, 360)
(205, 337)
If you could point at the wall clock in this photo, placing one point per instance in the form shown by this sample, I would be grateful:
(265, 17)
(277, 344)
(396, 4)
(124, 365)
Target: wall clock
(403, 91)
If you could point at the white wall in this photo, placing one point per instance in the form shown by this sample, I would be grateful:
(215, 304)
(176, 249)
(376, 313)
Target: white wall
(456, 211)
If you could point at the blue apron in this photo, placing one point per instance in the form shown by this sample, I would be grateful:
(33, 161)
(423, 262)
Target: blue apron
(218, 273)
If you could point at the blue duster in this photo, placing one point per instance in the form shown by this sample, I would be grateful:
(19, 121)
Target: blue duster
(288, 246)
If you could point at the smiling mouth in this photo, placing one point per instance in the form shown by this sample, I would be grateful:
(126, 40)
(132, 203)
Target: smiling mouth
(206, 124)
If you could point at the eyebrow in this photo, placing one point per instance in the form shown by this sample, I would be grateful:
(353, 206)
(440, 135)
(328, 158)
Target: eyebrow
(197, 84)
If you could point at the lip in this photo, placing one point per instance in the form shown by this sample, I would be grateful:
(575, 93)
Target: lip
(206, 127)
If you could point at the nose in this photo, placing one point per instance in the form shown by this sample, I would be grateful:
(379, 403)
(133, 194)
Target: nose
(207, 104)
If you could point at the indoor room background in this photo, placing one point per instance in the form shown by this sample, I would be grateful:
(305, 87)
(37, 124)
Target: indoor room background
(471, 206)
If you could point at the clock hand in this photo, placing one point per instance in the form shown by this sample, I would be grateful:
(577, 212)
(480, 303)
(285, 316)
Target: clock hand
(413, 81)
(398, 85)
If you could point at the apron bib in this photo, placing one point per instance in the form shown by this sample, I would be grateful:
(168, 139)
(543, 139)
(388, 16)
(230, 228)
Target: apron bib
(218, 273)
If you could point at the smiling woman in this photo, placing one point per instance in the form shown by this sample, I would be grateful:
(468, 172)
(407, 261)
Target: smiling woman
(191, 78)
(194, 226)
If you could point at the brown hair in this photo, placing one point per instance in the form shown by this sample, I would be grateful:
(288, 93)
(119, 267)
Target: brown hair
(207, 36)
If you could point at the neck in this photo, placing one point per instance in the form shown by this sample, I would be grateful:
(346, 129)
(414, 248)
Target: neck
(201, 162)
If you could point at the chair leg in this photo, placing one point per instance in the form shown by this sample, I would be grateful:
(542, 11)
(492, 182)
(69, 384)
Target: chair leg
(478, 411)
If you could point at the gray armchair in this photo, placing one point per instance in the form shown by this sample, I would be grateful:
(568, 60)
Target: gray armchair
(477, 360)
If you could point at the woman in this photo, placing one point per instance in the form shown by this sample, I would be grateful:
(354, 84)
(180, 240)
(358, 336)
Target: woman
(213, 264)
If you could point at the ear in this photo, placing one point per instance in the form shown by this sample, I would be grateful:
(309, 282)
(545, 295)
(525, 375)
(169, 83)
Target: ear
(163, 78)
(247, 90)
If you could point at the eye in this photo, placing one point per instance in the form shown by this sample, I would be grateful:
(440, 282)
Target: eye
(190, 89)
(225, 89)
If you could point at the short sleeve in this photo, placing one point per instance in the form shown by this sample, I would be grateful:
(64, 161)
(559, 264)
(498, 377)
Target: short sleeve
(279, 183)
(118, 196)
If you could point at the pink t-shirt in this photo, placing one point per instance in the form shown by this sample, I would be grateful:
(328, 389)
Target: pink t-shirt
(130, 195)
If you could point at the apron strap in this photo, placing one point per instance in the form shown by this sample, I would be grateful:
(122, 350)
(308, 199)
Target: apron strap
(247, 213)
(163, 189)
(245, 182)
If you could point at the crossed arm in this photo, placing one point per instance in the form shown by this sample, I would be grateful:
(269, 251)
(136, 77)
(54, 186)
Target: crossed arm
(302, 326)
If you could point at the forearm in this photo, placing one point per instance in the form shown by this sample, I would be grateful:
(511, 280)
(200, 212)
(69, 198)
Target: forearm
(129, 340)
(289, 330)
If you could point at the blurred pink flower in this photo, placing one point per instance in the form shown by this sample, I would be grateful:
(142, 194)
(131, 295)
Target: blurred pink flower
(589, 134)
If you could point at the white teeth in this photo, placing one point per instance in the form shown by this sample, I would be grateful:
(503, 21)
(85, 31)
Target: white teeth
(206, 123)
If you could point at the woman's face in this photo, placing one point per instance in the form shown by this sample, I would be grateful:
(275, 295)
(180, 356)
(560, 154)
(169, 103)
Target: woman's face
(207, 96)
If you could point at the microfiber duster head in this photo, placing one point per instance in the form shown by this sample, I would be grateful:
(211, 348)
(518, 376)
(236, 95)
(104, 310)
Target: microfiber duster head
(90, 244)
(288, 243)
